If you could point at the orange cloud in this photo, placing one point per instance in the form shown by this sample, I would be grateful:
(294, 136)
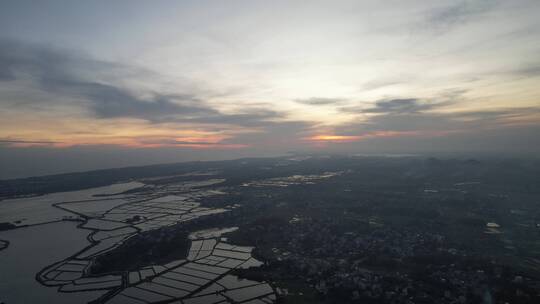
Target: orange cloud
(193, 142)
(333, 138)
(321, 139)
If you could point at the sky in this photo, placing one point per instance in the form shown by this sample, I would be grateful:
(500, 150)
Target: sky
(99, 84)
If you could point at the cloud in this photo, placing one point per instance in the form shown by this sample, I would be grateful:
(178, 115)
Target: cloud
(444, 18)
(413, 119)
(499, 131)
(95, 86)
(63, 79)
(320, 101)
(275, 136)
(109, 101)
(376, 84)
(249, 118)
(29, 142)
(532, 70)
(76, 78)
(401, 106)
(202, 143)
(5, 72)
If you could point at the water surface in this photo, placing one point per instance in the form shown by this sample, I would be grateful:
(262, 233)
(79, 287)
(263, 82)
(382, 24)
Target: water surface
(30, 250)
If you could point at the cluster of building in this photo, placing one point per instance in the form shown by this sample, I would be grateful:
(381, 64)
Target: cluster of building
(291, 180)
(389, 265)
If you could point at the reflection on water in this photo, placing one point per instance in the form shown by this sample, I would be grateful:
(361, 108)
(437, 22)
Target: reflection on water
(39, 209)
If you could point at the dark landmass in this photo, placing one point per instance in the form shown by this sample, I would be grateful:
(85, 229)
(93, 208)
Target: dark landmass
(355, 229)
(7, 226)
(144, 249)
(496, 171)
